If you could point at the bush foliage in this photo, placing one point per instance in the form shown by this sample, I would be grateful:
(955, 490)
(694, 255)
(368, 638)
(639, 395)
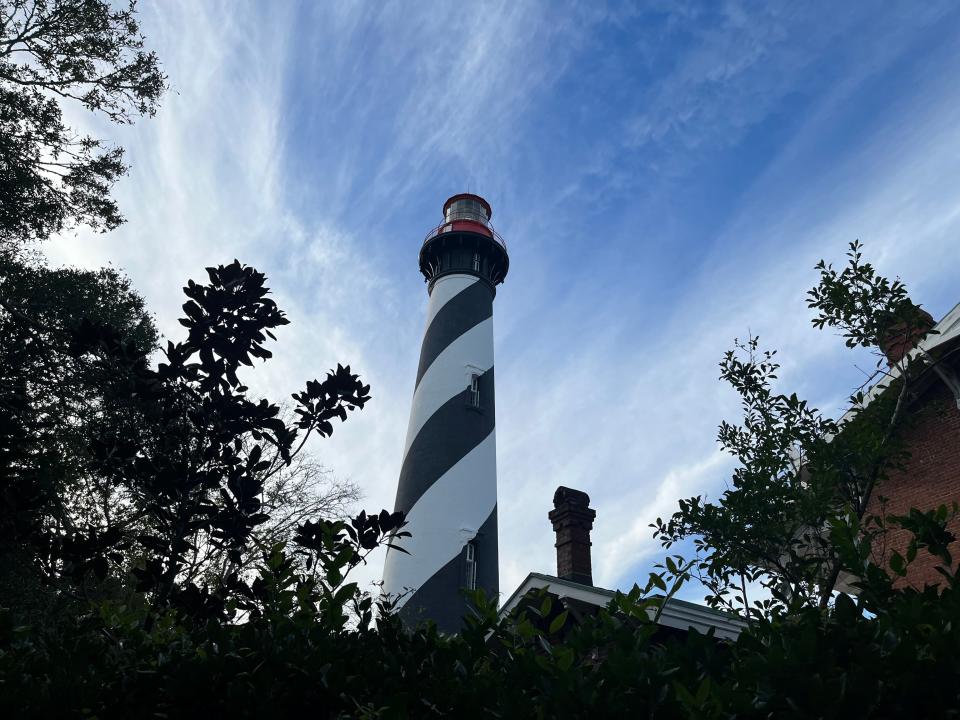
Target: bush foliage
(886, 653)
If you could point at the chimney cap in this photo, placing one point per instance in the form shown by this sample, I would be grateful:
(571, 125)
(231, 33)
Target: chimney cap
(905, 331)
(570, 496)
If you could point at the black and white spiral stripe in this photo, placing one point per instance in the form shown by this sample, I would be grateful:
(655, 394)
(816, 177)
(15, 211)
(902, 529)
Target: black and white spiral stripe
(448, 479)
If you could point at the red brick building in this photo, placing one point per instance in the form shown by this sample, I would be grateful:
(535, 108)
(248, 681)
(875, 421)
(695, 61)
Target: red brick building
(931, 476)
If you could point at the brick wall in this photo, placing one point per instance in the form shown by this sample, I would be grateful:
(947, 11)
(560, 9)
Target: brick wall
(930, 478)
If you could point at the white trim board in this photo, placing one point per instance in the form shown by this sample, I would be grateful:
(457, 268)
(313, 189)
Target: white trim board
(678, 614)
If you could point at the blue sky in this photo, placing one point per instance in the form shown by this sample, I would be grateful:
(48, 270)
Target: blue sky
(665, 175)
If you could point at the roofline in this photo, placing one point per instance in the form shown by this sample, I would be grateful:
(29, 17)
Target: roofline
(678, 614)
(947, 329)
(949, 326)
(511, 601)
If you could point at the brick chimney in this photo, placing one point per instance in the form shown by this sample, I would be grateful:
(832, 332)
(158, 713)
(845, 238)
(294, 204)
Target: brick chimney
(572, 520)
(903, 336)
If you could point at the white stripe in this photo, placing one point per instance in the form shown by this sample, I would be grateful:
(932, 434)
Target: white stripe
(444, 290)
(449, 374)
(444, 519)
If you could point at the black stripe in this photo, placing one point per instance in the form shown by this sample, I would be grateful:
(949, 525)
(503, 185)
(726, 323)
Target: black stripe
(488, 570)
(470, 306)
(451, 432)
(441, 599)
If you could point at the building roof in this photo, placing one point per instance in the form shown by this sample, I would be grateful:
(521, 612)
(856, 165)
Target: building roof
(944, 335)
(948, 327)
(677, 614)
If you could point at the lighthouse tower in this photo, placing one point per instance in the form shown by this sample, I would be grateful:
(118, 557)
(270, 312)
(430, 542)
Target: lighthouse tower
(448, 479)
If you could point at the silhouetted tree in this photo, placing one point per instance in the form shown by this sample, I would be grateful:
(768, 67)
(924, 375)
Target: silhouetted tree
(87, 52)
(803, 477)
(292, 494)
(181, 453)
(50, 402)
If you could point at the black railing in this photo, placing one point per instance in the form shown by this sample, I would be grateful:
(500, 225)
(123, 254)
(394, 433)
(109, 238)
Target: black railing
(472, 217)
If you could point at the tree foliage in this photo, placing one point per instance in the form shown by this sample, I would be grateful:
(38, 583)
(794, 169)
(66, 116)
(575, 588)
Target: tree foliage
(293, 494)
(181, 448)
(50, 402)
(800, 475)
(52, 52)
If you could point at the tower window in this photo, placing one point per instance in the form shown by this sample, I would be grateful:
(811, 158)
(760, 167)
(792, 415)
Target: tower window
(476, 262)
(471, 560)
(473, 393)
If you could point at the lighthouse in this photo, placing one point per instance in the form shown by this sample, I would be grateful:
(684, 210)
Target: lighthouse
(448, 477)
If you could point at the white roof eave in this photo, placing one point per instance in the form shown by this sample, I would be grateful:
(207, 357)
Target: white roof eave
(946, 330)
(677, 614)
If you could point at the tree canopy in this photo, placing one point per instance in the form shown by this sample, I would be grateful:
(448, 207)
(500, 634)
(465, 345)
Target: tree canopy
(801, 476)
(53, 52)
